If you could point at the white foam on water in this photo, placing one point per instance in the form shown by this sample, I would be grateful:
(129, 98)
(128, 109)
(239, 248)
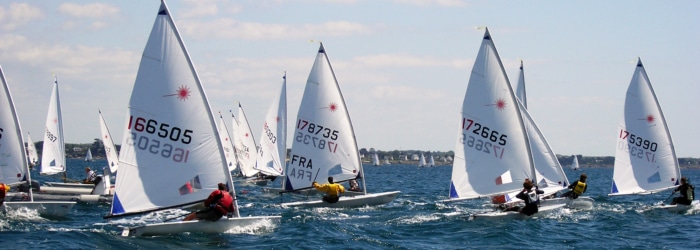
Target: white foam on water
(259, 227)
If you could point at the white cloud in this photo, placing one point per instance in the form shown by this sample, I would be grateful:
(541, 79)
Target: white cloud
(91, 10)
(200, 8)
(17, 15)
(230, 28)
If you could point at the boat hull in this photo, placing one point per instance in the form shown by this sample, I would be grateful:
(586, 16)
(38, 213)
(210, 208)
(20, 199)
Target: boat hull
(512, 215)
(308, 192)
(69, 185)
(582, 202)
(349, 201)
(44, 208)
(220, 226)
(678, 208)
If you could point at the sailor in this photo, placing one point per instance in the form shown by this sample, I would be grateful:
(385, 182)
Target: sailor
(4, 188)
(687, 192)
(218, 204)
(354, 186)
(332, 190)
(530, 197)
(577, 188)
(90, 176)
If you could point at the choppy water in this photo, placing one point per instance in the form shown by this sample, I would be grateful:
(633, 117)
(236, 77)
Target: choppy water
(413, 221)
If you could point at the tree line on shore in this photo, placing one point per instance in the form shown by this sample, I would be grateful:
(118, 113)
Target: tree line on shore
(78, 150)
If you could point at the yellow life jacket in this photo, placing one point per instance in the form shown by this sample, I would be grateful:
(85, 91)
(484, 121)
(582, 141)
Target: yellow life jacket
(579, 188)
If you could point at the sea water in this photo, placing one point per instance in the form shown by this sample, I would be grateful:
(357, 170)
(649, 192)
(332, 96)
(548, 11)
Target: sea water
(415, 220)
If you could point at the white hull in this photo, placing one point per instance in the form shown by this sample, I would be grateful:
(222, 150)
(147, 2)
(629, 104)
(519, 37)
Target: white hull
(220, 226)
(64, 190)
(582, 202)
(44, 208)
(87, 198)
(349, 201)
(678, 208)
(69, 185)
(308, 192)
(516, 215)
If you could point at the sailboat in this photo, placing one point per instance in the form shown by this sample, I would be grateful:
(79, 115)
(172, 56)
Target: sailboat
(645, 158)
(324, 142)
(108, 142)
(227, 145)
(574, 163)
(552, 177)
(14, 167)
(493, 155)
(183, 161)
(421, 161)
(245, 147)
(375, 160)
(272, 151)
(431, 161)
(386, 162)
(88, 155)
(31, 152)
(53, 154)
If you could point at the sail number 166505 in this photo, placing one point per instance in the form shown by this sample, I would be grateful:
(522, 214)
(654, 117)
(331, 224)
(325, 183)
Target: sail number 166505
(483, 131)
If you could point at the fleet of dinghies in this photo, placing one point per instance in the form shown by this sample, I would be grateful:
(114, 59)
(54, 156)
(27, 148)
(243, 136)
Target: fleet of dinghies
(498, 146)
(15, 168)
(53, 162)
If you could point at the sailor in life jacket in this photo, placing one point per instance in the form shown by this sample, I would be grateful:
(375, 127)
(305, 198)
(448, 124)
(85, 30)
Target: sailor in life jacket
(218, 204)
(577, 188)
(332, 190)
(687, 192)
(530, 197)
(4, 188)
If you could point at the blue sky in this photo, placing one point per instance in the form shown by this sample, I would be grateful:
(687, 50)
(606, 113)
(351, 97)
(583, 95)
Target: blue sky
(403, 65)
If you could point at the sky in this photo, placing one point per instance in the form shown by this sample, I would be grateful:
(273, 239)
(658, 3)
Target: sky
(402, 65)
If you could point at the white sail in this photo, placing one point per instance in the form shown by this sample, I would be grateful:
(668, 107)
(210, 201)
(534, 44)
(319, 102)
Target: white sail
(324, 141)
(550, 174)
(88, 155)
(574, 163)
(549, 171)
(492, 152)
(108, 142)
(227, 144)
(273, 138)
(375, 159)
(53, 154)
(421, 161)
(13, 159)
(645, 159)
(171, 152)
(245, 147)
(31, 151)
(520, 88)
